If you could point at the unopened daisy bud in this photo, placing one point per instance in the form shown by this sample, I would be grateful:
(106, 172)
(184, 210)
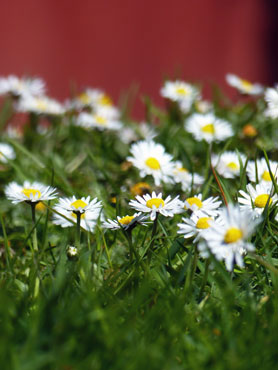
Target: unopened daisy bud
(72, 253)
(249, 131)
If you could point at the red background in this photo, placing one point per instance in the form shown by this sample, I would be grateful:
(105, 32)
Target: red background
(119, 43)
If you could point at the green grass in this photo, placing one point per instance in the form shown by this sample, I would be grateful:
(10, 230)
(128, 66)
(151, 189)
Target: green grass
(102, 311)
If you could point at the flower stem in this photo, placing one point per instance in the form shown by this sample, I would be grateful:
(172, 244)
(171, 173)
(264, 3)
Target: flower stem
(152, 237)
(35, 240)
(78, 230)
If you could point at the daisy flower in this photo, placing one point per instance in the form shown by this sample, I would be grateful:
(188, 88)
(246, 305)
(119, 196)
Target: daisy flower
(262, 171)
(40, 105)
(21, 86)
(30, 192)
(184, 177)
(6, 152)
(208, 127)
(126, 222)
(181, 92)
(150, 158)
(98, 120)
(208, 207)
(194, 226)
(228, 242)
(89, 211)
(256, 198)
(271, 98)
(154, 204)
(203, 106)
(227, 164)
(93, 97)
(244, 86)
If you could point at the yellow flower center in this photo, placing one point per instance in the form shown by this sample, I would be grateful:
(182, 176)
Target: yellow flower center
(233, 166)
(246, 85)
(105, 100)
(181, 91)
(77, 204)
(261, 200)
(232, 235)
(40, 207)
(101, 120)
(182, 169)
(194, 200)
(41, 105)
(152, 163)
(34, 192)
(157, 202)
(266, 176)
(203, 223)
(84, 98)
(209, 128)
(126, 220)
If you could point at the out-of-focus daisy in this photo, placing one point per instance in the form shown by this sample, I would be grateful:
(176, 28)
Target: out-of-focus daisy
(227, 164)
(271, 98)
(154, 204)
(89, 211)
(21, 86)
(126, 222)
(194, 226)
(6, 152)
(40, 105)
(208, 207)
(244, 86)
(140, 188)
(146, 131)
(29, 192)
(181, 92)
(203, 106)
(143, 130)
(228, 242)
(208, 127)
(127, 135)
(14, 132)
(93, 97)
(151, 159)
(261, 169)
(99, 121)
(185, 178)
(257, 198)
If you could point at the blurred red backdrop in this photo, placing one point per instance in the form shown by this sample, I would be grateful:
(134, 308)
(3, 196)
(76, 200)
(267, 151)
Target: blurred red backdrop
(114, 44)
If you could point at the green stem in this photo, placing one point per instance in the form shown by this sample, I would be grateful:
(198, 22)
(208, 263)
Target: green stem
(205, 278)
(150, 250)
(78, 230)
(35, 240)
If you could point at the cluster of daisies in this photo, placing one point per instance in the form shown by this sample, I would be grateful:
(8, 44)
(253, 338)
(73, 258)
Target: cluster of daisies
(229, 228)
(218, 230)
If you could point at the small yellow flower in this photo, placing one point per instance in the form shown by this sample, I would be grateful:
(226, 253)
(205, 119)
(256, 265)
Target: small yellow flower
(140, 188)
